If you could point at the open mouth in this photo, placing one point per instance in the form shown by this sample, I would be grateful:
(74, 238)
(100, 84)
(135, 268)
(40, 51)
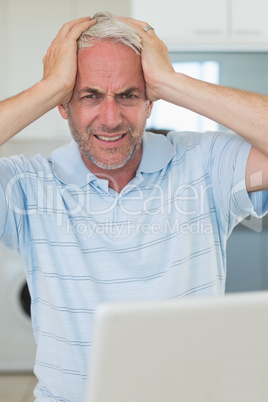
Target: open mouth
(109, 138)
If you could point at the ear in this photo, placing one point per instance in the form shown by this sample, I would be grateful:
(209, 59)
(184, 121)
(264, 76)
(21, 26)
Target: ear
(149, 109)
(63, 111)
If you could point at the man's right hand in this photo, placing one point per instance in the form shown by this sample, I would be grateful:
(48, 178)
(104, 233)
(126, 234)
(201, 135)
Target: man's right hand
(60, 61)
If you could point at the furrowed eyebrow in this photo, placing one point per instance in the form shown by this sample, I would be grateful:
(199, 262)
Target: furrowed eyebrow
(89, 90)
(96, 91)
(131, 90)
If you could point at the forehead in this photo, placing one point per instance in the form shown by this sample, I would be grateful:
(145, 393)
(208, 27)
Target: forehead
(109, 63)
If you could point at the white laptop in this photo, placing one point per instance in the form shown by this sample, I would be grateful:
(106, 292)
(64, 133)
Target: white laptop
(192, 350)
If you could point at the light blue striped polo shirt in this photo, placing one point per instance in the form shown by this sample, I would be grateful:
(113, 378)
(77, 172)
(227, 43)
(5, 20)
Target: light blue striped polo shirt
(162, 238)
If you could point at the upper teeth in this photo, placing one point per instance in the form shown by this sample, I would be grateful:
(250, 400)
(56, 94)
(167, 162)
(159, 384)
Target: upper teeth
(109, 138)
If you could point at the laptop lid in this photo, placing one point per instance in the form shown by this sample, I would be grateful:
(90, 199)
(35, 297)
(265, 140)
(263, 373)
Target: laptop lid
(195, 350)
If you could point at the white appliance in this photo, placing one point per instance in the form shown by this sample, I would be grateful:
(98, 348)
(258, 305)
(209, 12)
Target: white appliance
(17, 344)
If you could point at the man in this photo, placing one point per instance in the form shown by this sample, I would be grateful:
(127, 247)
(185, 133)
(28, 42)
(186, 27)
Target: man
(119, 215)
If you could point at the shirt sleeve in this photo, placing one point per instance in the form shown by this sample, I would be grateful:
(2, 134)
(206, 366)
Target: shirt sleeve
(12, 202)
(226, 155)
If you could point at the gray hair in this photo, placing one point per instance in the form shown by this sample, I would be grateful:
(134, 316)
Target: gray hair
(109, 27)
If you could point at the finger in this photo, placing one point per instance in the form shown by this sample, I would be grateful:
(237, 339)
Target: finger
(69, 34)
(80, 24)
(138, 26)
(77, 29)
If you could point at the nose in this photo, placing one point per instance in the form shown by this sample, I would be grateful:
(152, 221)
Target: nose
(110, 114)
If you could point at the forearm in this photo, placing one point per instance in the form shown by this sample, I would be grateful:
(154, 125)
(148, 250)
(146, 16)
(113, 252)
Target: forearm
(18, 112)
(244, 112)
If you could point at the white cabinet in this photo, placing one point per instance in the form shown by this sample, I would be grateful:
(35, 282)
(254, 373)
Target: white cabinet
(183, 21)
(249, 21)
(213, 24)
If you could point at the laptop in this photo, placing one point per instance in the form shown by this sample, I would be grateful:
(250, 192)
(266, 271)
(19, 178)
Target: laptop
(191, 350)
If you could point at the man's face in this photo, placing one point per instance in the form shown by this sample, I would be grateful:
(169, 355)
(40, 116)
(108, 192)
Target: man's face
(108, 111)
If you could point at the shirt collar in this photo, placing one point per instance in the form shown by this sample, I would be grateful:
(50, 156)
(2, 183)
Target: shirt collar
(69, 167)
(157, 152)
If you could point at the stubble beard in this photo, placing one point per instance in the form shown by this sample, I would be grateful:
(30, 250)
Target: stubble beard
(83, 141)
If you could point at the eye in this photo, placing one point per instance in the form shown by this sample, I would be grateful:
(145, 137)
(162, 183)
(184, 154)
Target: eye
(127, 99)
(90, 96)
(128, 96)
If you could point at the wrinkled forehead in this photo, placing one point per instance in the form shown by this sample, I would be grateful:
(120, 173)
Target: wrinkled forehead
(106, 61)
(106, 54)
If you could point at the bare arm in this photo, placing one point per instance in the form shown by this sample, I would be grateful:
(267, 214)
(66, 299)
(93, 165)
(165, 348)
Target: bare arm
(244, 112)
(18, 112)
(60, 66)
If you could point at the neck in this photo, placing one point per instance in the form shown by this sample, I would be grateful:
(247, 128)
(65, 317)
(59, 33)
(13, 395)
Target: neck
(117, 178)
